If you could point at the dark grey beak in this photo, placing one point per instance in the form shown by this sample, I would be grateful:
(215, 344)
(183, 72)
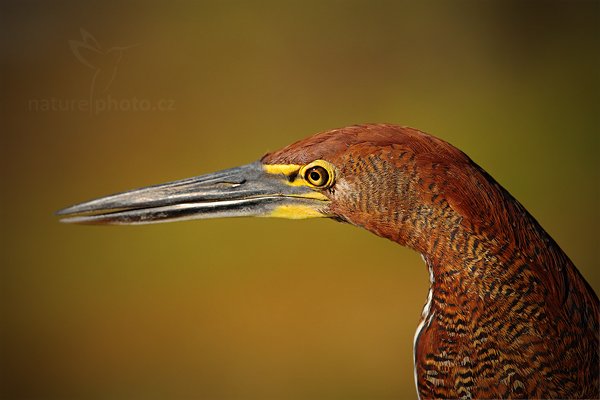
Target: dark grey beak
(243, 191)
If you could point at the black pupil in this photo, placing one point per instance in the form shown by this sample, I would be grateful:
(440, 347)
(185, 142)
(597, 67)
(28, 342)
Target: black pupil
(318, 176)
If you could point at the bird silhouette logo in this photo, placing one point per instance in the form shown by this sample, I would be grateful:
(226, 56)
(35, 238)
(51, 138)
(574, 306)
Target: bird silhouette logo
(104, 62)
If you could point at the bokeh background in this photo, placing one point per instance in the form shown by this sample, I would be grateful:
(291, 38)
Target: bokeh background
(227, 309)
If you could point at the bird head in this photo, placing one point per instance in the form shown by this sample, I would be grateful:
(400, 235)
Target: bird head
(380, 177)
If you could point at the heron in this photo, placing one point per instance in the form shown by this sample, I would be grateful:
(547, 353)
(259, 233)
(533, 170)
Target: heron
(508, 315)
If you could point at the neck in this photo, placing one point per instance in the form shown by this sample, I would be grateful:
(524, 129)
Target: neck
(476, 238)
(479, 252)
(513, 257)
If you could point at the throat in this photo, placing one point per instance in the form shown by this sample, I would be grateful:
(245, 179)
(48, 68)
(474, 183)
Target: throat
(426, 313)
(426, 317)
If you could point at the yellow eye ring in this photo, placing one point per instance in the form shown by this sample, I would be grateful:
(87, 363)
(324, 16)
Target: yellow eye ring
(318, 174)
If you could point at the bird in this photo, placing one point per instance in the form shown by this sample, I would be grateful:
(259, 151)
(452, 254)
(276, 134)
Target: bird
(508, 315)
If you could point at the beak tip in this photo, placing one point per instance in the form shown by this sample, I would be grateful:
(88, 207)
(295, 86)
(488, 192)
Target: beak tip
(74, 209)
(71, 215)
(82, 208)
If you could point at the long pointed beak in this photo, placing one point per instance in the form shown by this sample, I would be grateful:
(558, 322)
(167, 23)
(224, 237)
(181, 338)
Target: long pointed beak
(243, 191)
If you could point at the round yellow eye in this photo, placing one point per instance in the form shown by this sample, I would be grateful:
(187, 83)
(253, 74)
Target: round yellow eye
(317, 176)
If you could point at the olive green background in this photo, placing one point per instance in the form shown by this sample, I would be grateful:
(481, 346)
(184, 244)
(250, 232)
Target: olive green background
(258, 308)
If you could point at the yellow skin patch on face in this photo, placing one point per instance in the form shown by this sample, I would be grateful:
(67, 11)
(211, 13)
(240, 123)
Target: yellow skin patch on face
(295, 212)
(314, 195)
(282, 169)
(297, 172)
(286, 170)
(293, 175)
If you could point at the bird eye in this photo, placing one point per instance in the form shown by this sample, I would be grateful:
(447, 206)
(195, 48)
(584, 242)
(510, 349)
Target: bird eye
(317, 176)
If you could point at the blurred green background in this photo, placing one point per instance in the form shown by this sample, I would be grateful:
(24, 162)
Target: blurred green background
(226, 309)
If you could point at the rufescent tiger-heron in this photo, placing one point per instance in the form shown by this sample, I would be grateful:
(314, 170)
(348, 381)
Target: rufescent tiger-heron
(508, 314)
